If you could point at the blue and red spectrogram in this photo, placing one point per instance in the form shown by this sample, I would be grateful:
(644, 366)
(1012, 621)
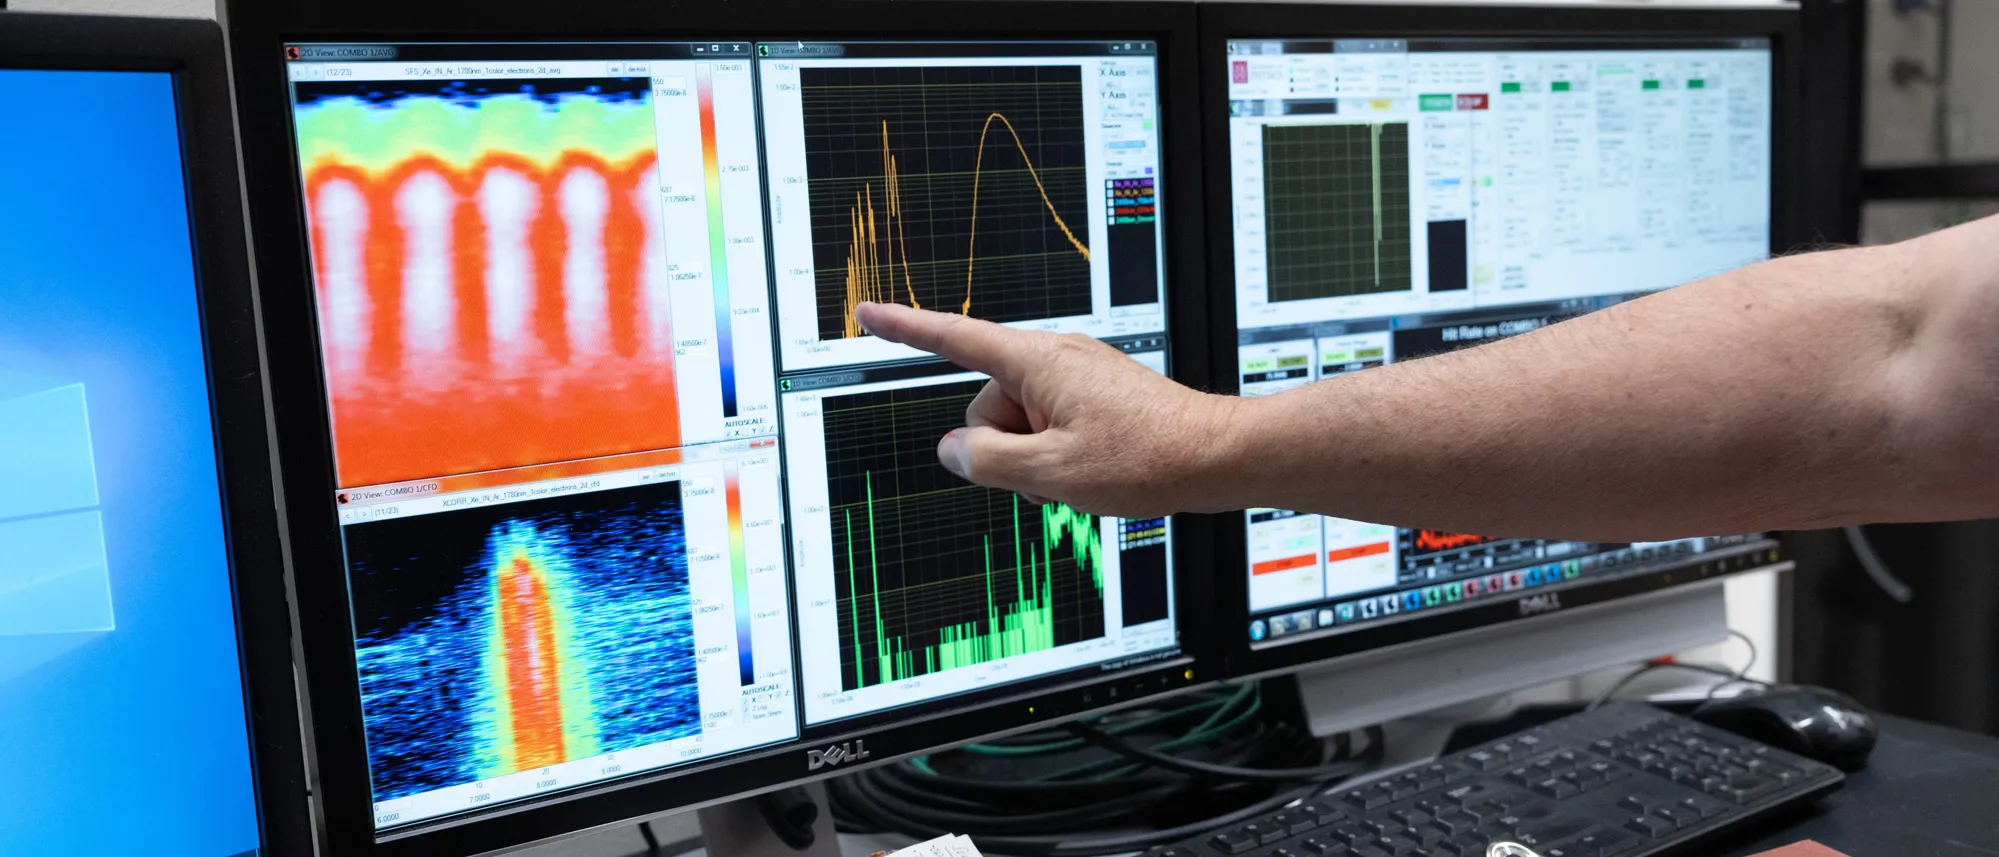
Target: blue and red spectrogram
(515, 637)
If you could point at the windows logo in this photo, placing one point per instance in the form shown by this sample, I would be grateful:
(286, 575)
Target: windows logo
(55, 583)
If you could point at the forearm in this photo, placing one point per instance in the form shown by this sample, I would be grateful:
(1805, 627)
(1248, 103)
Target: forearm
(1805, 391)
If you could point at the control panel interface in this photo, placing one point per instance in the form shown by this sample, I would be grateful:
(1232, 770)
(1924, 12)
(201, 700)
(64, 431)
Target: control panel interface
(915, 585)
(543, 276)
(1378, 177)
(1395, 198)
(1311, 573)
(1015, 182)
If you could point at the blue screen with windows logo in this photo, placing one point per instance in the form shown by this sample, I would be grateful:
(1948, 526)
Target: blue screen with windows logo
(122, 726)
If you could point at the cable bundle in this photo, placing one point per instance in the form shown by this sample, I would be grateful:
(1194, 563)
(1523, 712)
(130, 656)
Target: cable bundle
(1215, 760)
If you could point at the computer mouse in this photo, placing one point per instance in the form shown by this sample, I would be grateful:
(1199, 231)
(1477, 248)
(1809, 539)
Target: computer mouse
(1814, 722)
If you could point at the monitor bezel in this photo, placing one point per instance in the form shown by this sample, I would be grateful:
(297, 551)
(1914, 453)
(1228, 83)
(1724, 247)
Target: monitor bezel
(192, 51)
(258, 30)
(1223, 22)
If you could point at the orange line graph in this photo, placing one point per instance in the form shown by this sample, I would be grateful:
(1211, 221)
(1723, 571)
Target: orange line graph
(1432, 540)
(871, 271)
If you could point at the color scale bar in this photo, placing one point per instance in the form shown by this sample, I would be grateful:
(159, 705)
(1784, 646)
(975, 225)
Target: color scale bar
(739, 572)
(718, 242)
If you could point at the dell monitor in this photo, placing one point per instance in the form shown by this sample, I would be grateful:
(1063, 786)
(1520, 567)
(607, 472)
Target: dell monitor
(146, 695)
(1403, 183)
(608, 505)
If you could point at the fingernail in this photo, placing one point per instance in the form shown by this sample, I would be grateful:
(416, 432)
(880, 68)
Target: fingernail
(953, 453)
(861, 316)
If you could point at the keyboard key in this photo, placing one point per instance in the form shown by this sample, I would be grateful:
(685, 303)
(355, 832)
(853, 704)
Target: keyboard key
(1484, 760)
(1522, 776)
(1367, 798)
(1234, 842)
(1177, 852)
(1703, 807)
(1292, 822)
(1313, 846)
(1471, 794)
(1380, 827)
(1555, 788)
(1679, 817)
(1649, 826)
(1636, 803)
(1747, 788)
(1393, 845)
(1457, 821)
(1411, 817)
(1264, 831)
(1280, 852)
(1322, 813)
(1555, 830)
(1606, 844)
(1350, 834)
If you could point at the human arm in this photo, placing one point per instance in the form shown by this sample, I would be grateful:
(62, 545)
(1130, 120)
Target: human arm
(1828, 388)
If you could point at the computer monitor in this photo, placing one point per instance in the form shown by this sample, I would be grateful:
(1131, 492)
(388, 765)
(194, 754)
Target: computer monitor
(1402, 183)
(609, 505)
(146, 694)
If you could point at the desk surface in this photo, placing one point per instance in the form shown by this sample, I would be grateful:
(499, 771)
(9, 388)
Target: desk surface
(1927, 790)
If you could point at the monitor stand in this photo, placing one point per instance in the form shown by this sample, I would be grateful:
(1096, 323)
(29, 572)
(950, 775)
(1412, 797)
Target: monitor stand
(1420, 691)
(738, 829)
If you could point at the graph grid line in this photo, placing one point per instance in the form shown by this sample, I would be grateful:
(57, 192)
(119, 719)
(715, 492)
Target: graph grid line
(958, 188)
(1336, 209)
(933, 573)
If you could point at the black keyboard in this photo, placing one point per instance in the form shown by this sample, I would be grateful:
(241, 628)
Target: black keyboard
(1625, 780)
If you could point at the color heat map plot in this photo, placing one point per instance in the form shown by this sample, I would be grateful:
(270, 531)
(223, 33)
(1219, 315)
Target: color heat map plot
(934, 573)
(959, 189)
(490, 273)
(513, 637)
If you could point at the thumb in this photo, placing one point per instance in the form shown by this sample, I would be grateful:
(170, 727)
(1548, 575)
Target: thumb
(997, 459)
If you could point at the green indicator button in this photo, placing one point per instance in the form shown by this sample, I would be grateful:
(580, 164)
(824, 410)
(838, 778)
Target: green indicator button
(1696, 83)
(1509, 87)
(1559, 86)
(1261, 364)
(1293, 362)
(1434, 103)
(1368, 354)
(1651, 84)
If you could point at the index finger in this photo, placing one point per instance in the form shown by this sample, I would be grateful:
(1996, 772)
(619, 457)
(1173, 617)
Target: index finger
(973, 343)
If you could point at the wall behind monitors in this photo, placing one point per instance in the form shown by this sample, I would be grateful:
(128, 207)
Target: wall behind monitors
(1403, 183)
(629, 513)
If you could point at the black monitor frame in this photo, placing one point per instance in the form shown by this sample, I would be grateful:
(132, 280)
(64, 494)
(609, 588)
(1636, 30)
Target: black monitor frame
(192, 51)
(1222, 22)
(258, 29)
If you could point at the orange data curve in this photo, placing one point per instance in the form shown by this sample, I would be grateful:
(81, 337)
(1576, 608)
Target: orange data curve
(534, 666)
(1432, 540)
(494, 315)
(864, 279)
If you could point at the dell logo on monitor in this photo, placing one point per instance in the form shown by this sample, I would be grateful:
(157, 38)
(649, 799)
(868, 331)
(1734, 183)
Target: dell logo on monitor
(852, 751)
(1535, 605)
